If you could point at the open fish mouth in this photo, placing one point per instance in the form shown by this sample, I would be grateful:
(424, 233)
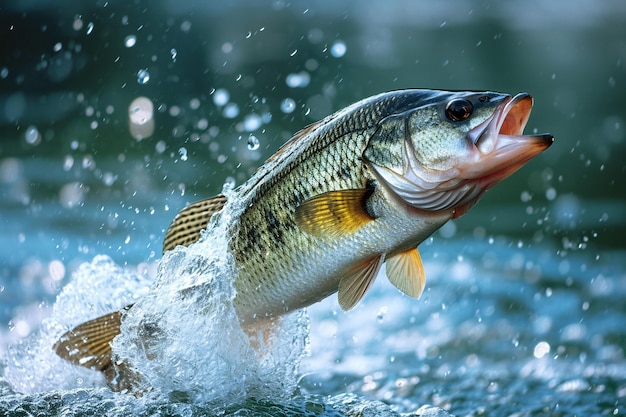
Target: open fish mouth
(501, 146)
(497, 148)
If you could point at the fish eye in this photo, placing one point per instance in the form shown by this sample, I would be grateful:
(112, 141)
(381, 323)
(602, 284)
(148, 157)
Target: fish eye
(458, 110)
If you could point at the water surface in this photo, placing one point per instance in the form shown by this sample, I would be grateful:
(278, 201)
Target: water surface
(523, 311)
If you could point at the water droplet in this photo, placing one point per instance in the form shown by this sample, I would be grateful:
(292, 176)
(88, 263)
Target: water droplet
(298, 80)
(227, 48)
(229, 184)
(541, 350)
(194, 103)
(130, 41)
(338, 49)
(287, 106)
(202, 124)
(78, 22)
(71, 194)
(380, 316)
(161, 146)
(68, 163)
(185, 26)
(57, 47)
(252, 122)
(143, 76)
(221, 97)
(253, 143)
(32, 135)
(231, 111)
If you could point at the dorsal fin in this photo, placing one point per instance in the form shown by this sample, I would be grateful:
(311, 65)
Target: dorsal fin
(191, 221)
(334, 213)
(293, 144)
(89, 344)
(406, 272)
(355, 284)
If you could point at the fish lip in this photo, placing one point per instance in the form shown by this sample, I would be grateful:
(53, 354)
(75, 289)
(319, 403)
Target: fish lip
(500, 145)
(509, 118)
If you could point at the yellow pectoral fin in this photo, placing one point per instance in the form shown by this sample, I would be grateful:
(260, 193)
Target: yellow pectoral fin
(334, 213)
(353, 286)
(89, 344)
(191, 221)
(406, 272)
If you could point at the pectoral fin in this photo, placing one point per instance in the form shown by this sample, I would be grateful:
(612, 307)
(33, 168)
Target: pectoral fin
(353, 286)
(334, 213)
(191, 221)
(406, 272)
(89, 344)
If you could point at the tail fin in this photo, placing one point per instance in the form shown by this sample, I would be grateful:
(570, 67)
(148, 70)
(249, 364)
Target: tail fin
(89, 344)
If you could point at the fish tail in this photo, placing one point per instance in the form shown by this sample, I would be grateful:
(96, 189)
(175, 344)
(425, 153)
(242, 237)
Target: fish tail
(89, 345)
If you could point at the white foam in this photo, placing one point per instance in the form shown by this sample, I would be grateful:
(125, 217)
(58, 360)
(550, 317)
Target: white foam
(181, 336)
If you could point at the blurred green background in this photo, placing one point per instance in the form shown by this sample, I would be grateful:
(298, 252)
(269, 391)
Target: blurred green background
(74, 182)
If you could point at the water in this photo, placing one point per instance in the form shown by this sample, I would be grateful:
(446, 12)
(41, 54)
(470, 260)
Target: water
(523, 310)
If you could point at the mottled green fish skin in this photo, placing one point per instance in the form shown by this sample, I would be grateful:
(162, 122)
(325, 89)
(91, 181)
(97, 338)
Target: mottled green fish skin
(282, 268)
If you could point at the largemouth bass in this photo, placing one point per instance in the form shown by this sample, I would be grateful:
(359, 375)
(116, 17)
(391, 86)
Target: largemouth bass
(362, 187)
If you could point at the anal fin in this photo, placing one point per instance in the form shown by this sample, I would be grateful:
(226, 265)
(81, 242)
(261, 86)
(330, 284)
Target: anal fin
(353, 286)
(406, 272)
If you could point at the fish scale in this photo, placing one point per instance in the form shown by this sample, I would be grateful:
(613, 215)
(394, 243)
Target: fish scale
(322, 174)
(362, 187)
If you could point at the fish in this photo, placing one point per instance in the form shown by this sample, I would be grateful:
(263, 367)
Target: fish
(358, 189)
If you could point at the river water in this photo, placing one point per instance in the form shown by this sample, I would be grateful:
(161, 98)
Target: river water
(523, 312)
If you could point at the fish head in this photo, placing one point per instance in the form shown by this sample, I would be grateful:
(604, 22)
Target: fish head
(444, 153)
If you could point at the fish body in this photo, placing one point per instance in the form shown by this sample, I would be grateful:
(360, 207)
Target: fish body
(362, 187)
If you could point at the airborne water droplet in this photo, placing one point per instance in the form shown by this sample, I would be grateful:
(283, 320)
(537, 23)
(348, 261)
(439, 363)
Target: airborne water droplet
(130, 41)
(32, 135)
(253, 143)
(143, 76)
(338, 49)
(221, 97)
(288, 105)
(252, 122)
(298, 80)
(229, 184)
(231, 110)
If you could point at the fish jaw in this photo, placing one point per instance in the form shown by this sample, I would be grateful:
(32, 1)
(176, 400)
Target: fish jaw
(500, 145)
(488, 153)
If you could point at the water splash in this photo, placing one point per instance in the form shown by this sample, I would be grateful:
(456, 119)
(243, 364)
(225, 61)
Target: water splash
(182, 336)
(96, 288)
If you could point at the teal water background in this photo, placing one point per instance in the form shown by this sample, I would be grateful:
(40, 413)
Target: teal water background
(230, 81)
